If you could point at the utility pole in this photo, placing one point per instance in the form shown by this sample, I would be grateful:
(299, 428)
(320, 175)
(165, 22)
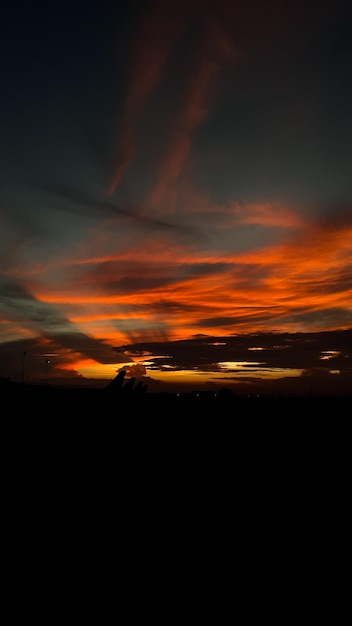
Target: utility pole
(47, 362)
(23, 367)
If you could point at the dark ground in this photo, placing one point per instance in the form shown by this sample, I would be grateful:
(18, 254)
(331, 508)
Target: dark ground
(224, 491)
(45, 428)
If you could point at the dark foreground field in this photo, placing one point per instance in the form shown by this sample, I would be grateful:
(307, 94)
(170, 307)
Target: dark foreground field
(169, 500)
(47, 429)
(244, 486)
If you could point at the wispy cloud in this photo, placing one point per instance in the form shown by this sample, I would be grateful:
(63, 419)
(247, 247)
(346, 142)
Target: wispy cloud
(214, 50)
(159, 28)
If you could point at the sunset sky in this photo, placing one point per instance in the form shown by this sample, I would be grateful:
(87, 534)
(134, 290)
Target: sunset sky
(176, 193)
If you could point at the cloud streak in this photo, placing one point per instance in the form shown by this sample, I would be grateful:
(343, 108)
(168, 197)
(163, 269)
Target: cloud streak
(156, 35)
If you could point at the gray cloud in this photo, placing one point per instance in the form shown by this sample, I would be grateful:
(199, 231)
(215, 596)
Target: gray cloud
(278, 350)
(82, 203)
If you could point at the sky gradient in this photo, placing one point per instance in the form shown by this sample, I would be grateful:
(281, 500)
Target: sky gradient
(176, 195)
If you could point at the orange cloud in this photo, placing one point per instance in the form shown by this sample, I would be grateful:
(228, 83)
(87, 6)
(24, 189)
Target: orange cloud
(265, 215)
(172, 290)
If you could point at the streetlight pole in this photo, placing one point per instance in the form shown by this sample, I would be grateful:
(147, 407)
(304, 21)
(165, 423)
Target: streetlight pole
(23, 367)
(47, 362)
